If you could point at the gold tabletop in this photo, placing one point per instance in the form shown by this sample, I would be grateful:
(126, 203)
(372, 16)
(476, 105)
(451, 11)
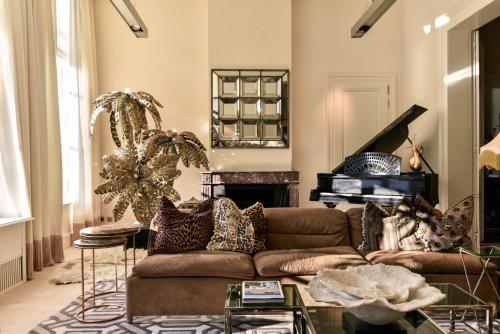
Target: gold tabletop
(110, 230)
(99, 243)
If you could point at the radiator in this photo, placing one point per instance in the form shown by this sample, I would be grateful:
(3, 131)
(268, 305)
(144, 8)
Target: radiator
(11, 273)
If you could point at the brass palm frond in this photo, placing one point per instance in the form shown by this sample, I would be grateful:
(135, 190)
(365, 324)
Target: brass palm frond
(184, 145)
(137, 180)
(127, 110)
(143, 170)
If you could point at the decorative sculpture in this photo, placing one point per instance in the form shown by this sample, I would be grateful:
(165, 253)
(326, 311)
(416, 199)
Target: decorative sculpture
(378, 294)
(416, 159)
(144, 166)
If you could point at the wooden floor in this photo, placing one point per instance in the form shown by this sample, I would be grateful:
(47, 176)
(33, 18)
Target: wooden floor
(26, 305)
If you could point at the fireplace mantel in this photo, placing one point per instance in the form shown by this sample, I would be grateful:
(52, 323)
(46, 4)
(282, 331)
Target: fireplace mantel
(290, 179)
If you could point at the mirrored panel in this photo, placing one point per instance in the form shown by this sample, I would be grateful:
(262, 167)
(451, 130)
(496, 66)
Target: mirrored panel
(228, 84)
(271, 86)
(229, 130)
(250, 108)
(250, 86)
(249, 130)
(271, 130)
(228, 108)
(271, 109)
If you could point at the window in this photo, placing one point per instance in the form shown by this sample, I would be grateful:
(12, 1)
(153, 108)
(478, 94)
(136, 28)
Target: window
(67, 82)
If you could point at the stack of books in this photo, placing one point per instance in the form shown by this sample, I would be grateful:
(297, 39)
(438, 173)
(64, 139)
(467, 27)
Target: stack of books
(262, 292)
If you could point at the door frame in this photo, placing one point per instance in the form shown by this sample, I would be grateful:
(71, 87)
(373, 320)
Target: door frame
(333, 121)
(465, 19)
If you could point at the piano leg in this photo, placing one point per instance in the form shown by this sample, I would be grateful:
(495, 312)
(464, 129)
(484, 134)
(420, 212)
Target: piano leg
(330, 205)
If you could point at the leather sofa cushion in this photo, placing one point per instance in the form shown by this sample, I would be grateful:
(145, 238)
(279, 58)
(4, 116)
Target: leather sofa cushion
(429, 262)
(301, 228)
(271, 263)
(354, 215)
(200, 263)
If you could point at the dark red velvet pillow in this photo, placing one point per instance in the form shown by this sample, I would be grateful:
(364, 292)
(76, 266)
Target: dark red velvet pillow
(180, 231)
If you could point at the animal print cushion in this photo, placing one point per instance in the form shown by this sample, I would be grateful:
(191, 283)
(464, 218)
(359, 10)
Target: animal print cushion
(256, 215)
(234, 230)
(182, 231)
(399, 229)
(450, 230)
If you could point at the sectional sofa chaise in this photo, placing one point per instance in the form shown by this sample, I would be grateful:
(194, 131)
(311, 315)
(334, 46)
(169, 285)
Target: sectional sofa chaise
(300, 242)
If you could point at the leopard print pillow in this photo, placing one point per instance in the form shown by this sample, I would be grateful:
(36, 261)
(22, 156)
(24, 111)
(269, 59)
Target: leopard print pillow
(233, 229)
(256, 215)
(449, 231)
(182, 231)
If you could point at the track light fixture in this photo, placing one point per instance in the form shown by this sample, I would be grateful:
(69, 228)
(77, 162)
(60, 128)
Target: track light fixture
(370, 16)
(131, 17)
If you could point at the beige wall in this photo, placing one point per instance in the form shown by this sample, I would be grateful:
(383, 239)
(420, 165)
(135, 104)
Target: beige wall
(428, 58)
(322, 45)
(252, 34)
(311, 38)
(424, 69)
(186, 39)
(172, 64)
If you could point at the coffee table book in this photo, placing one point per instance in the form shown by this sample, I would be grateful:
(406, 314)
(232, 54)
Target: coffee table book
(262, 292)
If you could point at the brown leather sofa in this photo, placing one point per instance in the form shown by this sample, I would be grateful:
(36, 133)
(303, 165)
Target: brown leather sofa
(300, 242)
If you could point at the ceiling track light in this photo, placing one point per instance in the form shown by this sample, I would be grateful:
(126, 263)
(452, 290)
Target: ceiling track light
(131, 17)
(370, 16)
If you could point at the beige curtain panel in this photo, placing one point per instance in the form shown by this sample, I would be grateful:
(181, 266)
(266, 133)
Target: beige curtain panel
(82, 53)
(30, 30)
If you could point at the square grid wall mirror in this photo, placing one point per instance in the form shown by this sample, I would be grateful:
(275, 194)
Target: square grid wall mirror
(250, 108)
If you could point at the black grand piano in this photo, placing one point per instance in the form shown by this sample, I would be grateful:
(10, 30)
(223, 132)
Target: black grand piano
(348, 184)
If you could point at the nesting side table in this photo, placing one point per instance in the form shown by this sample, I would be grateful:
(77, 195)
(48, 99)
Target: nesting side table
(484, 255)
(83, 244)
(112, 231)
(100, 237)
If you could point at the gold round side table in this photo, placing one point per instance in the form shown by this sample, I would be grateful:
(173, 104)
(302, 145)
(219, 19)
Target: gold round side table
(94, 244)
(99, 237)
(112, 231)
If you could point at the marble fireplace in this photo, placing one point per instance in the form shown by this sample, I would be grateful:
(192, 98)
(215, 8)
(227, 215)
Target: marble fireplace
(272, 189)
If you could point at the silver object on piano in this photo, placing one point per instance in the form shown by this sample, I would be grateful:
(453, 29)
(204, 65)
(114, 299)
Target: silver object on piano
(373, 163)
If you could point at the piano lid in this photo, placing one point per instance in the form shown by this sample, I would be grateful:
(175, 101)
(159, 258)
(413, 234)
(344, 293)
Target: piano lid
(390, 138)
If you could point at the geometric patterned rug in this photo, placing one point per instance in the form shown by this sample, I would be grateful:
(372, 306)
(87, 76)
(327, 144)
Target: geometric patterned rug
(64, 321)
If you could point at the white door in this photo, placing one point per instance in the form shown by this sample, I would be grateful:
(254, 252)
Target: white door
(358, 108)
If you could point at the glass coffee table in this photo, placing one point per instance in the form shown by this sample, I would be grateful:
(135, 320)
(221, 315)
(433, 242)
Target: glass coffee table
(293, 303)
(460, 308)
(453, 314)
(335, 320)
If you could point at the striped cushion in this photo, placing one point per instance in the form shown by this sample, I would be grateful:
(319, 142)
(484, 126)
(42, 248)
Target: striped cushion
(399, 234)
(399, 230)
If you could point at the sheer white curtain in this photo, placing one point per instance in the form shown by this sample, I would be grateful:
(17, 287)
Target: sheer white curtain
(13, 187)
(29, 27)
(83, 59)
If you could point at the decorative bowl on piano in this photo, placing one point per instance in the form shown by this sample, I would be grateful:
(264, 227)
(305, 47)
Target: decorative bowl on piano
(378, 294)
(373, 163)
